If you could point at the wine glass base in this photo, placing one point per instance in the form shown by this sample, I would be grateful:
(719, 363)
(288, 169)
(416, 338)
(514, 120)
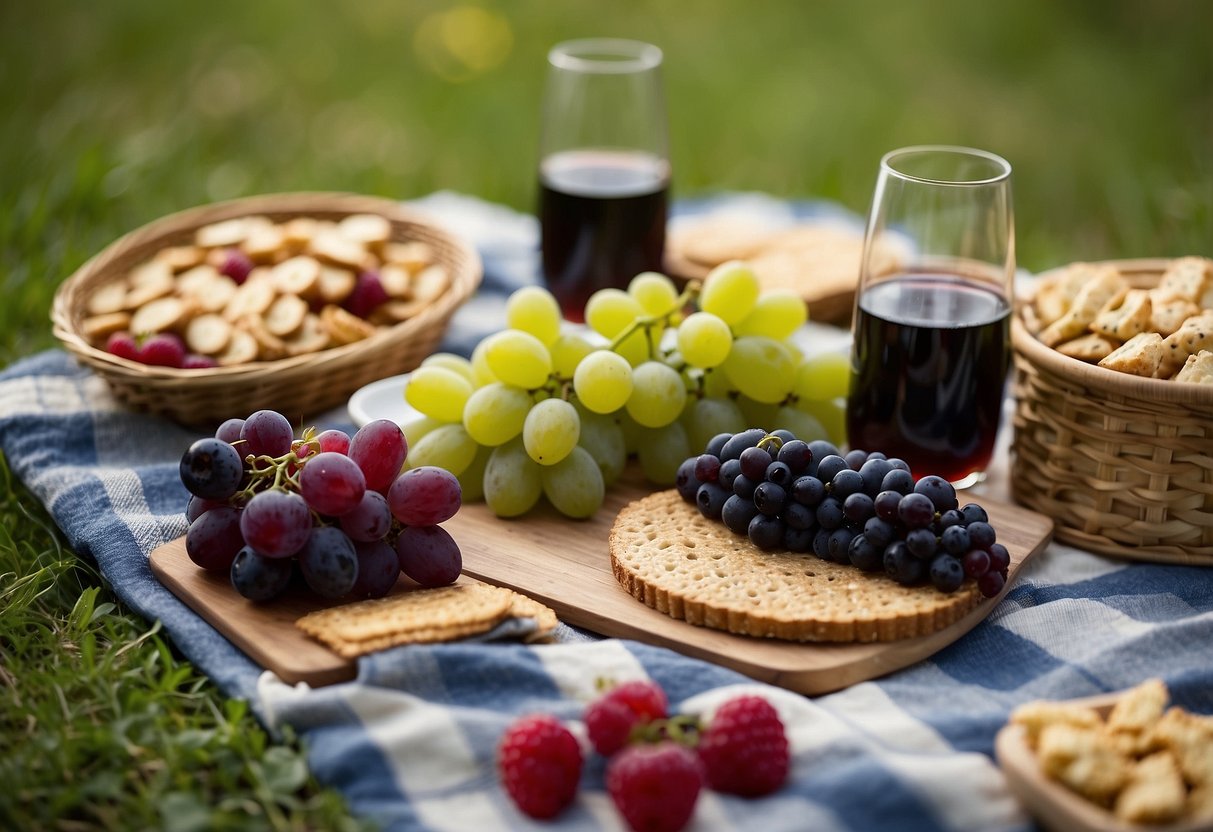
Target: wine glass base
(969, 480)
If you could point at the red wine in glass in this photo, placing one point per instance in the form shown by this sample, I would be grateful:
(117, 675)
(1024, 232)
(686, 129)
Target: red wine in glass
(602, 216)
(929, 368)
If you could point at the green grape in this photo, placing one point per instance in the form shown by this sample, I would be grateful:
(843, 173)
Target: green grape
(832, 416)
(512, 480)
(454, 363)
(447, 446)
(635, 348)
(704, 418)
(661, 451)
(609, 311)
(603, 381)
(418, 426)
(495, 413)
(777, 314)
(532, 309)
(550, 431)
(630, 429)
(471, 481)
(655, 293)
(717, 385)
(757, 414)
(603, 438)
(438, 392)
(704, 340)
(574, 485)
(658, 394)
(567, 352)
(823, 377)
(761, 368)
(729, 291)
(518, 358)
(481, 374)
(800, 423)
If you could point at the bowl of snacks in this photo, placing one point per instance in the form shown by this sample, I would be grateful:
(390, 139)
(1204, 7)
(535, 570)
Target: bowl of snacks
(287, 302)
(1114, 407)
(1119, 762)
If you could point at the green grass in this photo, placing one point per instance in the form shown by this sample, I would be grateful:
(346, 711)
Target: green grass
(114, 114)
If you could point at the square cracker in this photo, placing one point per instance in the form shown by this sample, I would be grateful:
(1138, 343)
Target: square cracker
(1141, 355)
(1198, 369)
(1126, 320)
(1187, 277)
(1084, 760)
(1105, 289)
(1036, 716)
(1140, 707)
(1058, 290)
(1168, 312)
(1155, 792)
(1194, 335)
(1091, 347)
(448, 607)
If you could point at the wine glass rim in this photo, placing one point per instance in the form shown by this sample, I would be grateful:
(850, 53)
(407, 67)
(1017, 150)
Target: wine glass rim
(605, 56)
(1002, 165)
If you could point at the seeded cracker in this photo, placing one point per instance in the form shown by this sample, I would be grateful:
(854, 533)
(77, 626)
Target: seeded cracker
(464, 609)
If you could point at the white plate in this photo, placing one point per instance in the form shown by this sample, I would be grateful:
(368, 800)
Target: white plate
(383, 399)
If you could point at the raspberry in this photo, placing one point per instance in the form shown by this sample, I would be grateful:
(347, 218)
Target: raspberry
(540, 764)
(655, 787)
(645, 699)
(236, 265)
(193, 361)
(123, 345)
(745, 750)
(367, 294)
(162, 350)
(609, 724)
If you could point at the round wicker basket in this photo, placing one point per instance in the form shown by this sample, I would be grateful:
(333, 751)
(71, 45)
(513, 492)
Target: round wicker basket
(294, 386)
(1123, 464)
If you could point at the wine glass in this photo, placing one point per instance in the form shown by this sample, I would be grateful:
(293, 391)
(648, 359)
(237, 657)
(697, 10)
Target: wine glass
(931, 327)
(604, 175)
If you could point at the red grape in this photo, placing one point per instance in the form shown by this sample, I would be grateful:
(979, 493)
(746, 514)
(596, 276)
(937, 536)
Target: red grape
(367, 294)
(379, 448)
(332, 483)
(991, 583)
(429, 555)
(198, 506)
(267, 433)
(337, 441)
(229, 432)
(976, 563)
(214, 538)
(370, 520)
(378, 569)
(425, 496)
(276, 523)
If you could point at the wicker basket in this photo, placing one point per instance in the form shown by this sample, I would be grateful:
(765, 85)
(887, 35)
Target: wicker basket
(293, 386)
(1123, 464)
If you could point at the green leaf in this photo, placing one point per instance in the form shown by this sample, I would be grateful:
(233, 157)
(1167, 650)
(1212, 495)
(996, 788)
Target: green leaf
(183, 812)
(283, 770)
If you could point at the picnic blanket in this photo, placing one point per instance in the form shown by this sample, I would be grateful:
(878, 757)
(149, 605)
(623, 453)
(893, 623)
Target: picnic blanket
(410, 742)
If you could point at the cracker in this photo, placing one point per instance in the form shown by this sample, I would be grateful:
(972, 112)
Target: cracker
(105, 325)
(1155, 792)
(1190, 739)
(1057, 290)
(1169, 313)
(1194, 335)
(422, 611)
(1139, 708)
(718, 239)
(432, 635)
(1130, 318)
(1090, 347)
(1200, 804)
(1104, 289)
(1035, 716)
(1083, 760)
(1187, 277)
(523, 606)
(667, 555)
(1141, 355)
(107, 299)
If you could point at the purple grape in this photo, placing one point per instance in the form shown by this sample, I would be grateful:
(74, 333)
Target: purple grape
(743, 486)
(425, 496)
(276, 523)
(899, 464)
(197, 506)
(370, 520)
(922, 543)
(897, 480)
(829, 467)
(808, 491)
(770, 498)
(940, 492)
(981, 535)
(259, 578)
(830, 514)
(877, 455)
(711, 498)
(379, 449)
(974, 513)
(820, 449)
(378, 569)
(213, 540)
(798, 516)
(766, 532)
(266, 433)
(955, 540)
(946, 573)
(738, 442)
(729, 469)
(337, 441)
(707, 468)
(858, 508)
(846, 483)
(991, 583)
(716, 444)
(779, 473)
(916, 511)
(796, 455)
(873, 473)
(886, 504)
(784, 435)
(737, 513)
(429, 555)
(865, 553)
(950, 518)
(367, 295)
(211, 469)
(329, 563)
(754, 463)
(879, 532)
(902, 566)
(332, 484)
(229, 431)
(840, 544)
(976, 562)
(821, 544)
(685, 480)
(798, 540)
(855, 459)
(1000, 558)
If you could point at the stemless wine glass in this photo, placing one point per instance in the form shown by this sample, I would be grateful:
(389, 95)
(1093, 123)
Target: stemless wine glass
(604, 176)
(931, 335)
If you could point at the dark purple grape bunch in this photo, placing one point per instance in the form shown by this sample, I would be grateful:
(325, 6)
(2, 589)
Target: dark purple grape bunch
(335, 508)
(860, 508)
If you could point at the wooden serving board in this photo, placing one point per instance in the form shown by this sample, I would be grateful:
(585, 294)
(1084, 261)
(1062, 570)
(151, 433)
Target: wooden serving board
(565, 564)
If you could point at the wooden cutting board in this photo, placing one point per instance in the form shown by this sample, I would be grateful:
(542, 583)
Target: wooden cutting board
(565, 564)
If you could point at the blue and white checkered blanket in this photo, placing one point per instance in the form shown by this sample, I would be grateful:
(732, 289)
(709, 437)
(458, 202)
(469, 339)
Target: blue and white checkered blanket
(411, 741)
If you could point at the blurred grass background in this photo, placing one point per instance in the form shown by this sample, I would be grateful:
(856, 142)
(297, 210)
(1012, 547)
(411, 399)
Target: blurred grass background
(116, 113)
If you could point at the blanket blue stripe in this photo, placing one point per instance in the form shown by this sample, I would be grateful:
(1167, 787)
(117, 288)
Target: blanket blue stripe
(411, 741)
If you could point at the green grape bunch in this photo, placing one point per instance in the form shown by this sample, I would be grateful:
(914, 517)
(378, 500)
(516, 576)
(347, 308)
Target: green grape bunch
(542, 410)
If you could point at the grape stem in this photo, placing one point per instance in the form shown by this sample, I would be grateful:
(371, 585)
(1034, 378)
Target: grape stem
(647, 322)
(769, 441)
(273, 473)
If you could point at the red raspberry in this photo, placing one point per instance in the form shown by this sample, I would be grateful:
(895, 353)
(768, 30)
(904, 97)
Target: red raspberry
(645, 699)
(236, 265)
(610, 719)
(745, 750)
(655, 787)
(123, 345)
(193, 361)
(163, 350)
(540, 764)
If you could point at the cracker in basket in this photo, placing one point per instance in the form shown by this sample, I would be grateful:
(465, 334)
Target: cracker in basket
(1104, 289)
(721, 238)
(425, 615)
(107, 299)
(1155, 792)
(1198, 369)
(1188, 277)
(1058, 290)
(1168, 313)
(241, 348)
(96, 327)
(1035, 716)
(1090, 347)
(1140, 708)
(1194, 334)
(1084, 760)
(1141, 355)
(1130, 318)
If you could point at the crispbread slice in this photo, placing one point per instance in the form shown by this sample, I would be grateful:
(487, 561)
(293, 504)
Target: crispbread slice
(671, 558)
(523, 606)
(421, 611)
(1187, 277)
(1141, 355)
(1131, 317)
(1104, 289)
(431, 635)
(1090, 347)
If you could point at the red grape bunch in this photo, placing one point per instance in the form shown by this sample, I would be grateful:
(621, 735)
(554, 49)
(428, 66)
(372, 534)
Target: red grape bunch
(336, 506)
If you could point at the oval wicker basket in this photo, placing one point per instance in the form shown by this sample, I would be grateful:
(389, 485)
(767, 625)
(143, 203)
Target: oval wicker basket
(1124, 464)
(294, 386)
